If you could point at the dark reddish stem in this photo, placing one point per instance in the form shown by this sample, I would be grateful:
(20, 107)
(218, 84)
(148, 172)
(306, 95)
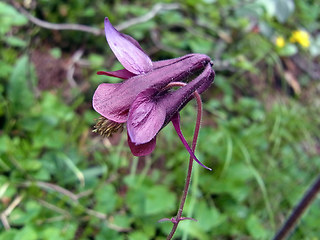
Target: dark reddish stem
(299, 210)
(188, 179)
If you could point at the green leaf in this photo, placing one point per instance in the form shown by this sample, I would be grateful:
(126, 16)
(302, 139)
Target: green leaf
(270, 6)
(284, 9)
(5, 69)
(122, 220)
(107, 233)
(288, 50)
(208, 217)
(281, 9)
(51, 233)
(255, 228)
(20, 84)
(138, 236)
(31, 164)
(106, 198)
(27, 233)
(31, 212)
(9, 234)
(96, 60)
(15, 41)
(154, 200)
(9, 17)
(200, 45)
(56, 53)
(147, 200)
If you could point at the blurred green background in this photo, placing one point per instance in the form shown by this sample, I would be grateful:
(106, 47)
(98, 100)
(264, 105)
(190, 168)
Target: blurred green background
(260, 131)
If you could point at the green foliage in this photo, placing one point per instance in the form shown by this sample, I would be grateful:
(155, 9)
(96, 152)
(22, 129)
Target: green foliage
(60, 181)
(20, 92)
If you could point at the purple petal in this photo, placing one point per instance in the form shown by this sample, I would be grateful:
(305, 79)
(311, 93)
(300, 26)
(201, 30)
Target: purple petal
(103, 104)
(127, 50)
(114, 100)
(186, 58)
(142, 149)
(176, 100)
(123, 74)
(176, 123)
(145, 118)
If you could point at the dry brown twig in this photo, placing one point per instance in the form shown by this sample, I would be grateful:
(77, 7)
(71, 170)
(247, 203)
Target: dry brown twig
(56, 188)
(72, 67)
(4, 215)
(155, 10)
(74, 198)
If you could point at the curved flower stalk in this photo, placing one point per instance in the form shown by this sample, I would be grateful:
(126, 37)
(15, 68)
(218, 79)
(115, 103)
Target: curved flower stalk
(142, 101)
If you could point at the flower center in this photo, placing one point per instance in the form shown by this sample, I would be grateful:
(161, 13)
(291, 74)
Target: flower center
(106, 127)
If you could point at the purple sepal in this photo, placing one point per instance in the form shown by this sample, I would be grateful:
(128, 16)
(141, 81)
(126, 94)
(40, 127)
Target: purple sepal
(146, 117)
(127, 50)
(123, 74)
(142, 149)
(111, 110)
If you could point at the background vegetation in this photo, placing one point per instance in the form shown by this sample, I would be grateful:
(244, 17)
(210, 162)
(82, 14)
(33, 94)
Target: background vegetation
(260, 131)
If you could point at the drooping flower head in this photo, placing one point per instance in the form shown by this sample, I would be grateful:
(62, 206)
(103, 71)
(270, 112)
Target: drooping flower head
(143, 100)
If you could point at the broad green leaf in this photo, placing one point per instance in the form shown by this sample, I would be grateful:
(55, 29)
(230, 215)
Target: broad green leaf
(200, 45)
(15, 41)
(51, 233)
(255, 228)
(106, 198)
(288, 50)
(9, 17)
(27, 233)
(107, 233)
(56, 53)
(138, 236)
(9, 234)
(155, 202)
(208, 216)
(21, 82)
(149, 201)
(284, 9)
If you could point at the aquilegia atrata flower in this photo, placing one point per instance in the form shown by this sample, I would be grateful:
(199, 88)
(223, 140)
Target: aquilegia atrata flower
(143, 100)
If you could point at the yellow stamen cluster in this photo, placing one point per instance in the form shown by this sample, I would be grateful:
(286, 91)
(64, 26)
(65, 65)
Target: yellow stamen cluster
(106, 127)
(301, 37)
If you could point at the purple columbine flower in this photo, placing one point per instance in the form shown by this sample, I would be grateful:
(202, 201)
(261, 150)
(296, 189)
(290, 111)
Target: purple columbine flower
(143, 100)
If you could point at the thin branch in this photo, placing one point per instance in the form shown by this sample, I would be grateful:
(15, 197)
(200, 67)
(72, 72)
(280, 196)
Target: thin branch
(74, 198)
(71, 68)
(13, 205)
(84, 193)
(56, 188)
(155, 10)
(104, 217)
(5, 221)
(54, 208)
(8, 210)
(56, 26)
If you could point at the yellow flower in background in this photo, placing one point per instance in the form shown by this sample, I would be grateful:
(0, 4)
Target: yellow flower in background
(280, 42)
(301, 37)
